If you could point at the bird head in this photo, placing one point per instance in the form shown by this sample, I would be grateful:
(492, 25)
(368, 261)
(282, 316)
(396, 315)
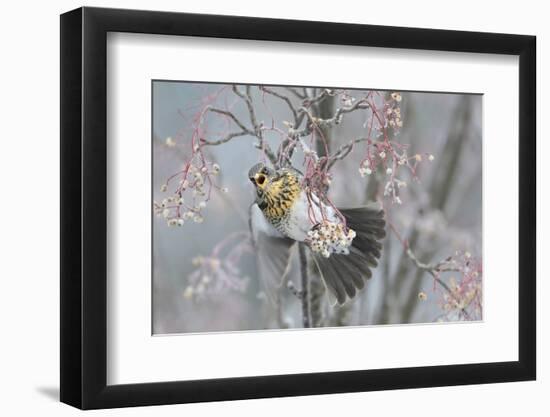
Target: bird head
(260, 175)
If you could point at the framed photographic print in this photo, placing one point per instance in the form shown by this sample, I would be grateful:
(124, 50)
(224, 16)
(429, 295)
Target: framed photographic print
(258, 208)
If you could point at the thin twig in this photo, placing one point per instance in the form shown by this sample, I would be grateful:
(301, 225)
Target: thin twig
(318, 98)
(232, 117)
(359, 105)
(434, 270)
(285, 99)
(336, 119)
(248, 100)
(227, 138)
(344, 150)
(296, 93)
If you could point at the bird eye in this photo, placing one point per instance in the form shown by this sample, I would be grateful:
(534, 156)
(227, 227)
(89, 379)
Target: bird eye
(261, 179)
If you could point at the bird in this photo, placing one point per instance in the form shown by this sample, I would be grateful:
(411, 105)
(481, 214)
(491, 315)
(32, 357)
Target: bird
(345, 243)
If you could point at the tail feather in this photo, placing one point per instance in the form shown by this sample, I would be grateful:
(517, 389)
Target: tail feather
(371, 246)
(335, 286)
(346, 279)
(352, 268)
(356, 259)
(344, 275)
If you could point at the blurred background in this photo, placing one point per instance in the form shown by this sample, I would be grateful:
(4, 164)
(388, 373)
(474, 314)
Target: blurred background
(204, 273)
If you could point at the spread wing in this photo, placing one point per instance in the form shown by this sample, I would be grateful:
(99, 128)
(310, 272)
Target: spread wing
(345, 275)
(273, 253)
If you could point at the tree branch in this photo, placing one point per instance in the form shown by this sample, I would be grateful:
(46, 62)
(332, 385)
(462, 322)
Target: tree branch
(256, 130)
(296, 93)
(232, 117)
(305, 285)
(227, 138)
(318, 98)
(285, 99)
(344, 151)
(434, 270)
(336, 119)
(359, 105)
(248, 100)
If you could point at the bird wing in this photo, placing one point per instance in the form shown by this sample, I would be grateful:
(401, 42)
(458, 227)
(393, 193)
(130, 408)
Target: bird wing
(344, 275)
(273, 252)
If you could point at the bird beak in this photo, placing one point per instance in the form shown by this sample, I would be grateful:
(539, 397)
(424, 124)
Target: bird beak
(253, 180)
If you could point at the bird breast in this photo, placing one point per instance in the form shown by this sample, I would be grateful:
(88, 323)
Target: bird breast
(280, 196)
(297, 223)
(288, 208)
(303, 216)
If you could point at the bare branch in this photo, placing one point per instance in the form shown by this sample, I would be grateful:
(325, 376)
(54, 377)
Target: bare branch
(256, 130)
(296, 93)
(285, 99)
(225, 139)
(434, 270)
(305, 285)
(359, 105)
(336, 119)
(344, 151)
(267, 150)
(318, 98)
(232, 117)
(248, 100)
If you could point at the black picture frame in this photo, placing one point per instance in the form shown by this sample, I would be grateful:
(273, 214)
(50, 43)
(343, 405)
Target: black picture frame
(84, 207)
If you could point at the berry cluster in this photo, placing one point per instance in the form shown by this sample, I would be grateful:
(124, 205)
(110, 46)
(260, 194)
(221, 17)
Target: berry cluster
(329, 237)
(465, 292)
(382, 152)
(196, 182)
(393, 111)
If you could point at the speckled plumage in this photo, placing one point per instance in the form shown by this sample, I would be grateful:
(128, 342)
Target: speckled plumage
(278, 198)
(280, 195)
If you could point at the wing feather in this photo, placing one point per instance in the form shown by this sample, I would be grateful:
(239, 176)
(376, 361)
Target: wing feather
(273, 253)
